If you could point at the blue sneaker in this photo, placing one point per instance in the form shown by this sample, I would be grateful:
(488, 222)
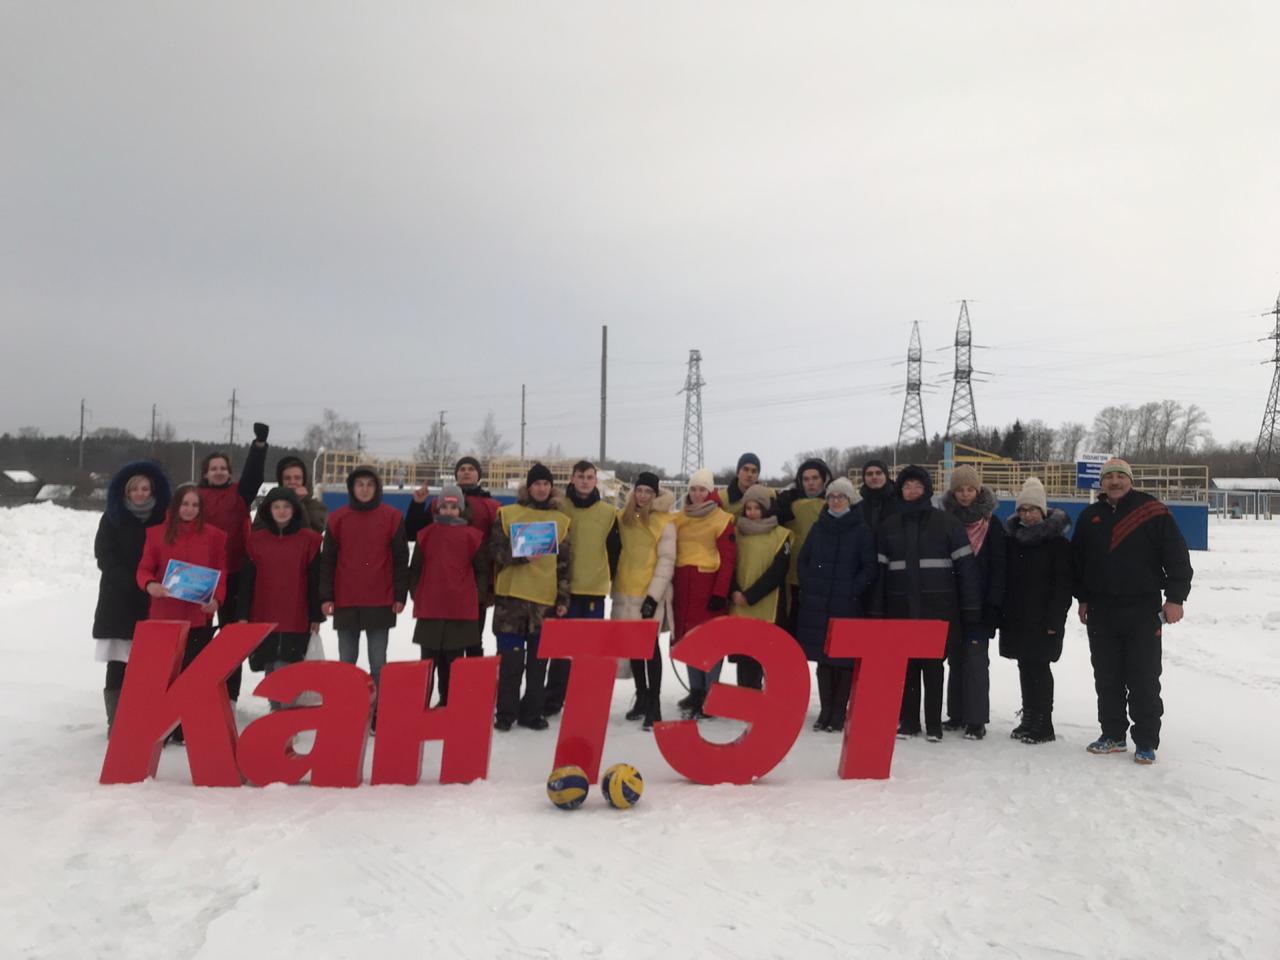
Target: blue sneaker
(1144, 755)
(1105, 744)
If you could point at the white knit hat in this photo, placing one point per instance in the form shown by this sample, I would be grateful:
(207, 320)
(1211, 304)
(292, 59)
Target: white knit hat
(703, 478)
(1032, 495)
(843, 485)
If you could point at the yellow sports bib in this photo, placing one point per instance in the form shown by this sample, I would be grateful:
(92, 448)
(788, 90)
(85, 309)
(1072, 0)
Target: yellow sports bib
(536, 580)
(755, 555)
(588, 557)
(639, 557)
(696, 539)
(806, 513)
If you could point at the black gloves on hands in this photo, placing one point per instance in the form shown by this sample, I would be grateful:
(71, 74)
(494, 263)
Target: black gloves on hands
(648, 608)
(260, 432)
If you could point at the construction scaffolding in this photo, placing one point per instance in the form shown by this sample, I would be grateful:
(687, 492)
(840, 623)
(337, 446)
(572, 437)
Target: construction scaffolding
(500, 473)
(1187, 483)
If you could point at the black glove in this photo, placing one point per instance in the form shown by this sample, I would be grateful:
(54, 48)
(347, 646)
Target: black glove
(717, 604)
(648, 608)
(260, 432)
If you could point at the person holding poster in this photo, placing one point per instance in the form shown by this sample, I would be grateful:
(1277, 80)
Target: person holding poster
(226, 506)
(705, 556)
(760, 572)
(185, 538)
(642, 582)
(443, 576)
(530, 546)
(137, 499)
(364, 571)
(280, 581)
(593, 539)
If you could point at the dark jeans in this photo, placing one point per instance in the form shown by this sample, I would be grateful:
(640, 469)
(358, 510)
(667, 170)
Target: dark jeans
(969, 677)
(580, 608)
(1125, 647)
(930, 672)
(441, 666)
(227, 614)
(514, 665)
(1036, 679)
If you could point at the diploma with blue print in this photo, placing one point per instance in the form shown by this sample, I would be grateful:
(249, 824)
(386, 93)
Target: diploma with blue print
(538, 539)
(190, 582)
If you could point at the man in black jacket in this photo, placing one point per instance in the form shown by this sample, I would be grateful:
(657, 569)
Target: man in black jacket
(1126, 550)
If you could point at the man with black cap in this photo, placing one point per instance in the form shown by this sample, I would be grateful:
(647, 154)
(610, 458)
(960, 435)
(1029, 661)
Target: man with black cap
(748, 474)
(879, 494)
(927, 572)
(528, 590)
(1126, 549)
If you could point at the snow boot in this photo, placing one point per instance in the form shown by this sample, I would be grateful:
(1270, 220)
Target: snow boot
(638, 708)
(1039, 730)
(1023, 727)
(1105, 744)
(906, 733)
(684, 703)
(975, 731)
(694, 710)
(933, 734)
(652, 712)
(112, 700)
(953, 725)
(1144, 755)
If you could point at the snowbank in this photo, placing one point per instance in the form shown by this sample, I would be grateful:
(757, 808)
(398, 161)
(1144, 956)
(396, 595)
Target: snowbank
(991, 849)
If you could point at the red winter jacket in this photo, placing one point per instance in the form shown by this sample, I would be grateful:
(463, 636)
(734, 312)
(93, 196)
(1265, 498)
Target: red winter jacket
(279, 582)
(445, 588)
(224, 508)
(692, 589)
(365, 558)
(206, 548)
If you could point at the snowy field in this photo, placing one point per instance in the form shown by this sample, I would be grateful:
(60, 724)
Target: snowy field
(992, 849)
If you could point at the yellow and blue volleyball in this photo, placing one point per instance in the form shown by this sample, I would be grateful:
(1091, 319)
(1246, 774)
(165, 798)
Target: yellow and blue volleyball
(567, 787)
(622, 786)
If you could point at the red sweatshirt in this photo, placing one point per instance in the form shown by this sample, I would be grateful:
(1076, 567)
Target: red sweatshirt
(205, 548)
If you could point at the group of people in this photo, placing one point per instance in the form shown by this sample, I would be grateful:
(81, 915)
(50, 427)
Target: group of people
(817, 550)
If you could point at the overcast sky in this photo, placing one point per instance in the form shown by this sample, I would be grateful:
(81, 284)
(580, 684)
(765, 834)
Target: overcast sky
(394, 209)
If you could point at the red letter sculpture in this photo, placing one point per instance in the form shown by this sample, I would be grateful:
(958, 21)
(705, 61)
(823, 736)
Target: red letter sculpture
(882, 649)
(405, 721)
(341, 723)
(774, 715)
(595, 647)
(158, 695)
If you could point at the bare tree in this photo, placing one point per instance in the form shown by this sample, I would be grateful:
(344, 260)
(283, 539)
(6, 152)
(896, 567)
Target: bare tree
(30, 433)
(554, 452)
(1192, 432)
(332, 433)
(438, 446)
(1070, 436)
(112, 433)
(1113, 428)
(166, 432)
(488, 441)
(1037, 440)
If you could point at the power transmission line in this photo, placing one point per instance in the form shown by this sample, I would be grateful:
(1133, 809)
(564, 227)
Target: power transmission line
(963, 418)
(1266, 450)
(691, 453)
(911, 429)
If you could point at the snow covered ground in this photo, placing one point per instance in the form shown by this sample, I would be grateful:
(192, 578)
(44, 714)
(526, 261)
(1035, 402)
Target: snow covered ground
(991, 849)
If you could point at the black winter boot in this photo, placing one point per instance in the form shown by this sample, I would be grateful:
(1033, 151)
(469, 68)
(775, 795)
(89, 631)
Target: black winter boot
(637, 711)
(1023, 725)
(1040, 729)
(112, 700)
(652, 711)
(694, 710)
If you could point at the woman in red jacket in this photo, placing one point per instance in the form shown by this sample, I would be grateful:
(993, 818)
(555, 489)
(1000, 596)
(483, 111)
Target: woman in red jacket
(186, 537)
(280, 581)
(226, 506)
(705, 558)
(444, 574)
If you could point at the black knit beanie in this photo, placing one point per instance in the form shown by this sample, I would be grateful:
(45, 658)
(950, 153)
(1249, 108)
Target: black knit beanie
(649, 480)
(465, 460)
(537, 472)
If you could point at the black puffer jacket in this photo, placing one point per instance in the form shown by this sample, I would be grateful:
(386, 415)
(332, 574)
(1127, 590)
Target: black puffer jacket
(1126, 554)
(118, 548)
(990, 560)
(1038, 588)
(927, 569)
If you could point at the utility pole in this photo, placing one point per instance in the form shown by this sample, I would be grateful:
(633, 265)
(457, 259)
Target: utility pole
(963, 419)
(359, 440)
(911, 429)
(231, 434)
(81, 466)
(153, 425)
(440, 447)
(604, 382)
(1268, 443)
(522, 423)
(691, 453)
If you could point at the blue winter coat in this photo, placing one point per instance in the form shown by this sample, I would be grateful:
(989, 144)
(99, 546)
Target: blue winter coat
(836, 564)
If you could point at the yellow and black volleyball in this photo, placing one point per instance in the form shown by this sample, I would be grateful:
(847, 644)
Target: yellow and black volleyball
(567, 787)
(622, 786)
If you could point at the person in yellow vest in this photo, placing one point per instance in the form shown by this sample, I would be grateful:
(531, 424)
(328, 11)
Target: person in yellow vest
(593, 539)
(528, 589)
(760, 573)
(797, 509)
(747, 475)
(642, 581)
(705, 555)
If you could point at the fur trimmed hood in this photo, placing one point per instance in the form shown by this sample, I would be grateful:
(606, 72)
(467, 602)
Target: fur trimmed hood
(116, 511)
(1056, 524)
(553, 502)
(980, 509)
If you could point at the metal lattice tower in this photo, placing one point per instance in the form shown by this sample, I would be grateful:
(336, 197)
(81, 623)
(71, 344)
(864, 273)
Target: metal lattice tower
(691, 454)
(1268, 444)
(963, 418)
(911, 430)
